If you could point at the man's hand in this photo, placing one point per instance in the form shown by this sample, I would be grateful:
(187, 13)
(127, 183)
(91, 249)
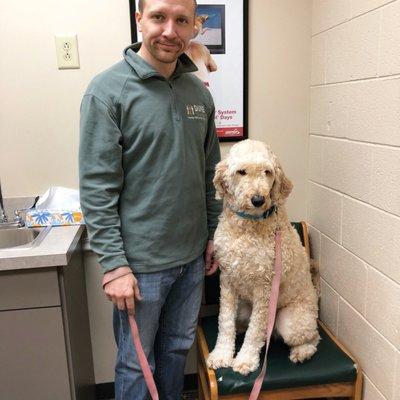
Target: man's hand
(211, 263)
(123, 291)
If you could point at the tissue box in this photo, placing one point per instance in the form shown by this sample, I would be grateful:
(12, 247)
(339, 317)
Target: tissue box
(53, 217)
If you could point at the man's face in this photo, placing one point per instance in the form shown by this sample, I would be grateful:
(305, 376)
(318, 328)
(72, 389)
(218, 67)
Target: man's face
(166, 26)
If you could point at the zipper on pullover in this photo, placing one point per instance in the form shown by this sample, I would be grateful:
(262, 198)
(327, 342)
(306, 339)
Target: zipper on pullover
(174, 101)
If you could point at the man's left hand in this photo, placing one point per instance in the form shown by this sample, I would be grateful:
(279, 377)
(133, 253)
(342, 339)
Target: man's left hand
(211, 263)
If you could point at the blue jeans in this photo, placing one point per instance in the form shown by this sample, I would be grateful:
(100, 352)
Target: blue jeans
(167, 318)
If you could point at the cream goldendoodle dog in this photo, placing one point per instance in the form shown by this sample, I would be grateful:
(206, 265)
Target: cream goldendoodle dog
(253, 187)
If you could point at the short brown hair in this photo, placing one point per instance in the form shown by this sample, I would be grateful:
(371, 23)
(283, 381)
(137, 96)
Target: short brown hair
(141, 5)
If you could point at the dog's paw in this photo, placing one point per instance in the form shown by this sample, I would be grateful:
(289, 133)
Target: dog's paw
(244, 364)
(302, 352)
(219, 358)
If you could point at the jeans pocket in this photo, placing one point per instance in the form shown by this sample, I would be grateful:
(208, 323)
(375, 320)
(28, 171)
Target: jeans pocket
(150, 286)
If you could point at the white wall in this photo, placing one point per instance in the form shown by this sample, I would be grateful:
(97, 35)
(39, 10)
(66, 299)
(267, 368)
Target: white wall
(354, 180)
(279, 76)
(39, 106)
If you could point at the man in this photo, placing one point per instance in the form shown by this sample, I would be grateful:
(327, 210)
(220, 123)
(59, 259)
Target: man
(147, 155)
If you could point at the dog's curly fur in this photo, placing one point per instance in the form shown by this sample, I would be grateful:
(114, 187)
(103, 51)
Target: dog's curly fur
(245, 249)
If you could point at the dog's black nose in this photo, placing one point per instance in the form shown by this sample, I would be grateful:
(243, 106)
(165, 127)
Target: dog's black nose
(258, 201)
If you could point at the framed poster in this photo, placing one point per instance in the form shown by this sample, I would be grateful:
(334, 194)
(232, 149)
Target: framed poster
(219, 49)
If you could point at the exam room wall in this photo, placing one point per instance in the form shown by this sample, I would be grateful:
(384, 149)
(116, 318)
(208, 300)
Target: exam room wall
(39, 106)
(354, 181)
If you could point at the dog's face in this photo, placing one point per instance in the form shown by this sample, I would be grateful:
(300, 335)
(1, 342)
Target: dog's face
(198, 24)
(251, 178)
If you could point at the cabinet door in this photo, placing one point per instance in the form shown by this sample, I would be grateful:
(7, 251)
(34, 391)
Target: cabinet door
(33, 361)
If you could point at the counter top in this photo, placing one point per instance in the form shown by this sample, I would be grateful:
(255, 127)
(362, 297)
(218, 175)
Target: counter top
(55, 250)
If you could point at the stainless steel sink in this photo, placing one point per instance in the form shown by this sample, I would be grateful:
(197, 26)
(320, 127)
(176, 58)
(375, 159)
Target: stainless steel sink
(22, 238)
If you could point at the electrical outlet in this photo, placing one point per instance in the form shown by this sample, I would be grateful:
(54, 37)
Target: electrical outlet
(67, 52)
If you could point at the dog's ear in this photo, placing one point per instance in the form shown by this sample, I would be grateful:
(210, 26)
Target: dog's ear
(282, 185)
(219, 183)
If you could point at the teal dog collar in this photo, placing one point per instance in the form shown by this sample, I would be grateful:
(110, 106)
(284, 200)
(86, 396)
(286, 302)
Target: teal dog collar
(264, 215)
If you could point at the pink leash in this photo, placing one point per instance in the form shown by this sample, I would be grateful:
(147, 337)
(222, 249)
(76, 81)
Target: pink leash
(273, 303)
(144, 365)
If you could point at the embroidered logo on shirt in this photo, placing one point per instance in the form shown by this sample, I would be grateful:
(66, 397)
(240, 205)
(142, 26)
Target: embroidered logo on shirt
(196, 111)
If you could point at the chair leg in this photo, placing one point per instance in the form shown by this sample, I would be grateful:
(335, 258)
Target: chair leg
(200, 389)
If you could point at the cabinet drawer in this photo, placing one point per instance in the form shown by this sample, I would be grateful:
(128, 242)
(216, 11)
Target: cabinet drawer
(29, 288)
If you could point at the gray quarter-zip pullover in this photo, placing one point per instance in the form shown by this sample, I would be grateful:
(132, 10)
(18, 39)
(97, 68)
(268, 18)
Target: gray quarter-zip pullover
(147, 155)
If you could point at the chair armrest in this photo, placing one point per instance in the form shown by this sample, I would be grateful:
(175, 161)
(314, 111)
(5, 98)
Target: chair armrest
(359, 380)
(205, 373)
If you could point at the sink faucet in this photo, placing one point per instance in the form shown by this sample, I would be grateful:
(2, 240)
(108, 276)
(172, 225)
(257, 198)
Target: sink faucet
(4, 223)
(3, 216)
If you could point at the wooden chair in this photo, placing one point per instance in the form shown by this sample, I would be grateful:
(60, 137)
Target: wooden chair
(331, 372)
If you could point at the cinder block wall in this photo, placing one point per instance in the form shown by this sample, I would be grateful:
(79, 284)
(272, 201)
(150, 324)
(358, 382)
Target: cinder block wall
(354, 180)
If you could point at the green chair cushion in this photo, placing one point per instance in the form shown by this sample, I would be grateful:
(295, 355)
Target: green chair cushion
(328, 365)
(211, 283)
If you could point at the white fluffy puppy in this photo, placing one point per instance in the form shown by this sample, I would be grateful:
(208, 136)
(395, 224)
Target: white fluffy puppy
(254, 188)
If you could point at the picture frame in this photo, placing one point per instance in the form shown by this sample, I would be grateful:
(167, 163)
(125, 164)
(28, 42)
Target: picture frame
(222, 33)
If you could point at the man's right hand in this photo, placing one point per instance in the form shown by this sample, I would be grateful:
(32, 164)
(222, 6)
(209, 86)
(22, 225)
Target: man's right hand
(123, 291)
